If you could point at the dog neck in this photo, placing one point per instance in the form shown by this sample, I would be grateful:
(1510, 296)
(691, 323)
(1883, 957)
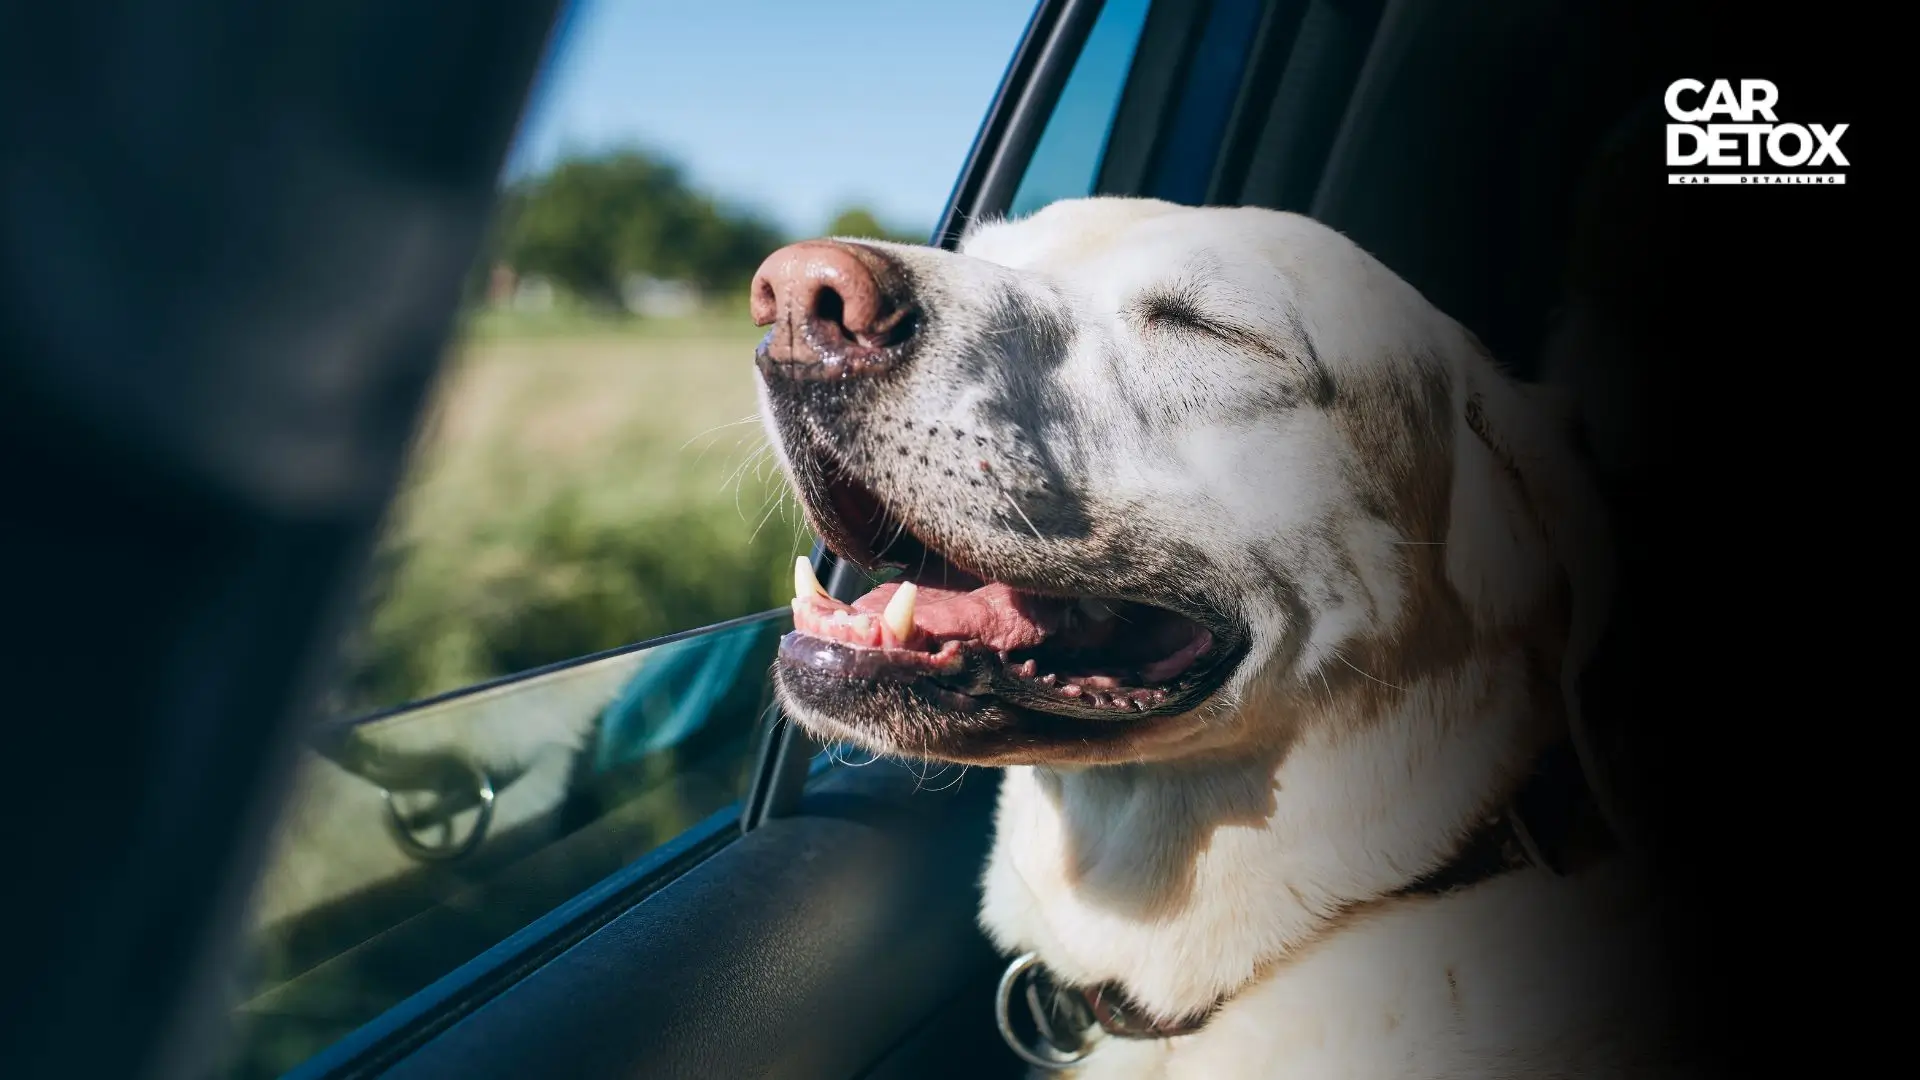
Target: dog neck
(1181, 881)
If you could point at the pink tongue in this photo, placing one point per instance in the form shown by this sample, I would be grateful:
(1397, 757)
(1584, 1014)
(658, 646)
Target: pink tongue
(995, 615)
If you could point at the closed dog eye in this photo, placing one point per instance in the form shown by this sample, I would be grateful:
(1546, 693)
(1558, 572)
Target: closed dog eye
(1173, 311)
(1179, 313)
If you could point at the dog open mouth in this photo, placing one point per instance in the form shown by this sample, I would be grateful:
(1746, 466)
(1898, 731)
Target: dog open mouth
(958, 640)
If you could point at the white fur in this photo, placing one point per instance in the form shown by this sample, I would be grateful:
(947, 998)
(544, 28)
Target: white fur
(1522, 976)
(1252, 860)
(1357, 815)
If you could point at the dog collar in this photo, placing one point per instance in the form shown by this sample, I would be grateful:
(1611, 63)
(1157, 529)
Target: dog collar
(1534, 829)
(1065, 1017)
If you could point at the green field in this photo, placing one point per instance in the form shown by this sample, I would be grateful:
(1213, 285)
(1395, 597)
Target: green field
(580, 482)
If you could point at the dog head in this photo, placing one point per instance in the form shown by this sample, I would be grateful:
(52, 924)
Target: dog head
(1157, 480)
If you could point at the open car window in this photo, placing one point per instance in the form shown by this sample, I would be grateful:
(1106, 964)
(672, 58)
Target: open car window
(531, 834)
(558, 689)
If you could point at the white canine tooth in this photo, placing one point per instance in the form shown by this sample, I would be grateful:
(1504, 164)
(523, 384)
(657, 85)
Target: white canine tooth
(899, 613)
(805, 584)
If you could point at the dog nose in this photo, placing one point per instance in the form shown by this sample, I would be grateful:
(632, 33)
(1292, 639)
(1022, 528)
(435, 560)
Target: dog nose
(837, 311)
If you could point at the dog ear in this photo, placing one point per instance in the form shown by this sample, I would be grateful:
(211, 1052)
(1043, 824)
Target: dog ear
(1525, 516)
(1527, 522)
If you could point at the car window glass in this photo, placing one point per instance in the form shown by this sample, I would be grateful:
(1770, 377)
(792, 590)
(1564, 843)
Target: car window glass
(416, 841)
(592, 471)
(592, 474)
(1066, 161)
(1218, 63)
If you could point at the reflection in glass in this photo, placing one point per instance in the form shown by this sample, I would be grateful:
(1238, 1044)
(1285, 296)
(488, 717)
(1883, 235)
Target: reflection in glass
(418, 840)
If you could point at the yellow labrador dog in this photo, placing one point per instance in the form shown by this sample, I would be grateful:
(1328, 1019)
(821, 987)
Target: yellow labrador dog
(1265, 586)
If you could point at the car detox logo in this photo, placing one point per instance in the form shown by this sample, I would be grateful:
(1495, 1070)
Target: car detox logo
(1755, 138)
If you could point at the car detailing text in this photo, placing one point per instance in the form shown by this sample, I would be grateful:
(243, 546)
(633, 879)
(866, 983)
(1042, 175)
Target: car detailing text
(1719, 127)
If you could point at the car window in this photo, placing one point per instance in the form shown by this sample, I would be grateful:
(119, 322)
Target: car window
(1066, 161)
(499, 736)
(418, 840)
(1217, 66)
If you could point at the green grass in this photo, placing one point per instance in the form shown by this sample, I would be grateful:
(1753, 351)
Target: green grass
(582, 482)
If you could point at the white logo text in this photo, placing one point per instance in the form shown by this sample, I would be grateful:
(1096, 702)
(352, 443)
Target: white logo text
(1718, 127)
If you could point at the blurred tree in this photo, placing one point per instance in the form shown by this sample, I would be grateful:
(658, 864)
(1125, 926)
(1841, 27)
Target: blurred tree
(858, 221)
(493, 247)
(590, 222)
(723, 250)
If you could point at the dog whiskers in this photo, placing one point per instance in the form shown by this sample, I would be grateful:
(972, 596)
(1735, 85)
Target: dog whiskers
(842, 759)
(899, 529)
(1382, 682)
(1011, 501)
(750, 418)
(957, 778)
(764, 518)
(738, 475)
(737, 480)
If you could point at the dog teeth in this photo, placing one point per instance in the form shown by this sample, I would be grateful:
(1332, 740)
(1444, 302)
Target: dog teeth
(805, 583)
(899, 613)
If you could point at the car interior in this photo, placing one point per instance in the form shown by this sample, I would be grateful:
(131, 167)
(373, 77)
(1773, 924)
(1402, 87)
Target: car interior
(528, 918)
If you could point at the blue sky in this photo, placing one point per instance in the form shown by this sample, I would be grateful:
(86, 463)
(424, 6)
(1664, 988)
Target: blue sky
(792, 107)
